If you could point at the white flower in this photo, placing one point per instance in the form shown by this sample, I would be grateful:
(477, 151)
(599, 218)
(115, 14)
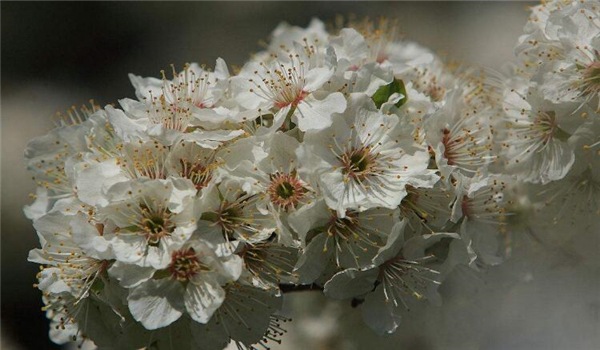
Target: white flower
(153, 218)
(103, 140)
(427, 208)
(351, 49)
(190, 161)
(367, 79)
(354, 72)
(576, 76)
(272, 173)
(69, 268)
(273, 176)
(98, 315)
(40, 206)
(566, 212)
(62, 312)
(268, 264)
(365, 159)
(574, 200)
(94, 319)
(95, 178)
(192, 284)
(145, 159)
(244, 317)
(536, 146)
(480, 208)
(128, 128)
(163, 122)
(460, 133)
(385, 47)
(51, 159)
(399, 274)
(288, 88)
(432, 79)
(230, 213)
(540, 41)
(329, 239)
(560, 50)
(285, 36)
(200, 90)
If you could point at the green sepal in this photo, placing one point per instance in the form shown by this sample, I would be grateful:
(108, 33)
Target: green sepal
(382, 95)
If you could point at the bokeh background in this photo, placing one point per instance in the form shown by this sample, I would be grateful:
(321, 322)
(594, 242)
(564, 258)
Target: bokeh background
(55, 55)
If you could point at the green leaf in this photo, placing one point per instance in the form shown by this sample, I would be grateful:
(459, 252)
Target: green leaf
(382, 95)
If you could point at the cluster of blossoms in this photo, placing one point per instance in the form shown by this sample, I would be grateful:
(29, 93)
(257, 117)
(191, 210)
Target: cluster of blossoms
(552, 106)
(348, 161)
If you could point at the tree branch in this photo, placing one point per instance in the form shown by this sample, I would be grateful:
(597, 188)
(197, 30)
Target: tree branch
(289, 288)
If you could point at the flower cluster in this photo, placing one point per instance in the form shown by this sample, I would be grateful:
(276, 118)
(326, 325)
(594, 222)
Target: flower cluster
(552, 106)
(350, 161)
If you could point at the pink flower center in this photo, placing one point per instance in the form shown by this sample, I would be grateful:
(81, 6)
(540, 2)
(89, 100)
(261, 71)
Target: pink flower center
(185, 264)
(286, 190)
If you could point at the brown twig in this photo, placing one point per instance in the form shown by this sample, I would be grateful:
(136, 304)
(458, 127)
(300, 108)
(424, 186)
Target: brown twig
(289, 288)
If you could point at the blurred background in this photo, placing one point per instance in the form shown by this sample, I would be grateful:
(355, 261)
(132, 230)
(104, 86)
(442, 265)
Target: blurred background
(55, 55)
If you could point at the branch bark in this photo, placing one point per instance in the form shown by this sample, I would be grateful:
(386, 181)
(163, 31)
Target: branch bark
(290, 288)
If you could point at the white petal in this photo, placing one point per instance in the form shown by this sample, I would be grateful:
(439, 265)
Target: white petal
(311, 215)
(485, 240)
(40, 206)
(314, 259)
(351, 283)
(209, 336)
(221, 71)
(212, 139)
(415, 247)
(313, 114)
(379, 314)
(316, 77)
(145, 86)
(251, 321)
(156, 303)
(203, 296)
(350, 45)
(130, 275)
(52, 225)
(89, 240)
(93, 181)
(125, 128)
(51, 282)
(129, 248)
(393, 245)
(231, 267)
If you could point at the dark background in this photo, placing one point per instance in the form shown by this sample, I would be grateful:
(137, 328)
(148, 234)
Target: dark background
(55, 55)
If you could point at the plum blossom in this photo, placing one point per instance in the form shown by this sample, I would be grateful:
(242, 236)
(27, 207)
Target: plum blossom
(365, 159)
